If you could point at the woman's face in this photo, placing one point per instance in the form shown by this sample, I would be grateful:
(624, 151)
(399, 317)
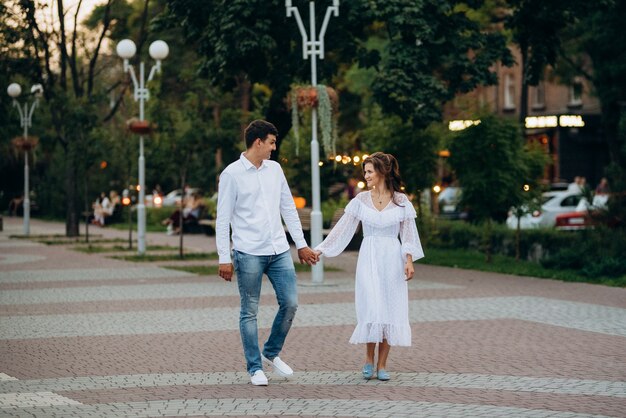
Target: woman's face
(372, 177)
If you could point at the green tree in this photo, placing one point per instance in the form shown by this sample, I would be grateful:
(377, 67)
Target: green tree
(492, 166)
(536, 29)
(433, 50)
(591, 48)
(415, 149)
(68, 62)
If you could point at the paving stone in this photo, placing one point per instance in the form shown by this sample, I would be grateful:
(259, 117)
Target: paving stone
(92, 336)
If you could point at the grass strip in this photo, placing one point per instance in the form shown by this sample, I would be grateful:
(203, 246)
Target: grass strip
(92, 249)
(166, 257)
(474, 260)
(76, 240)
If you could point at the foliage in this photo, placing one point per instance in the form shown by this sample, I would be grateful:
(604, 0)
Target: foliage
(538, 26)
(329, 207)
(415, 149)
(430, 51)
(492, 166)
(325, 117)
(534, 244)
(434, 51)
(471, 259)
(307, 98)
(599, 253)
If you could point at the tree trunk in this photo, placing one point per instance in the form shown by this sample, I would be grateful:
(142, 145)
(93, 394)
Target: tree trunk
(219, 162)
(181, 217)
(71, 195)
(487, 241)
(517, 240)
(244, 87)
(280, 116)
(523, 107)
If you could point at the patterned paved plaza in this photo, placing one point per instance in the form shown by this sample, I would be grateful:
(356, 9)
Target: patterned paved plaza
(85, 335)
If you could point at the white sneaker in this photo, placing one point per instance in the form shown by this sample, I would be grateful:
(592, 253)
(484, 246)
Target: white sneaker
(259, 378)
(280, 367)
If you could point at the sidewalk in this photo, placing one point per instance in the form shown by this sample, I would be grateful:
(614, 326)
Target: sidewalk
(85, 335)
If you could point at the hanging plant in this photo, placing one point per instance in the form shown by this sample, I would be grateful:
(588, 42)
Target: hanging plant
(326, 101)
(25, 144)
(295, 120)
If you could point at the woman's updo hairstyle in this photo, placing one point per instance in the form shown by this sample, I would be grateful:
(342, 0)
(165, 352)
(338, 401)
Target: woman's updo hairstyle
(387, 166)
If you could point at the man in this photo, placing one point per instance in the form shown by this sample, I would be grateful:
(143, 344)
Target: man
(253, 194)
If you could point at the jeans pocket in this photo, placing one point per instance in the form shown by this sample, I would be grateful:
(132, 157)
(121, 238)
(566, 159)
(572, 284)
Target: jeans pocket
(235, 260)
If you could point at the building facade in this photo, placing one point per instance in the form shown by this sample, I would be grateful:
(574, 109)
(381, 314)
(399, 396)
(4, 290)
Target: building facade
(564, 118)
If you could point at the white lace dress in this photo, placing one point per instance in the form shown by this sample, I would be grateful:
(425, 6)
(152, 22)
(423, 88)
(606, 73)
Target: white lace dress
(381, 292)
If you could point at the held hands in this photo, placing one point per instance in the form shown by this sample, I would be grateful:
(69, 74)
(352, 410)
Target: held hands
(308, 256)
(226, 271)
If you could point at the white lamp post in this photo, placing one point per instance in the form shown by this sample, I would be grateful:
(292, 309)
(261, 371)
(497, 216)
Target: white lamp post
(159, 50)
(26, 118)
(314, 48)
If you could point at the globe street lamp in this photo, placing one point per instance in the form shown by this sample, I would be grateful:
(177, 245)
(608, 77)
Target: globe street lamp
(314, 48)
(159, 50)
(26, 118)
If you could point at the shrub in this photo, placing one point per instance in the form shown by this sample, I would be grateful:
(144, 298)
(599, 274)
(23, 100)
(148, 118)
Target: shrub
(608, 267)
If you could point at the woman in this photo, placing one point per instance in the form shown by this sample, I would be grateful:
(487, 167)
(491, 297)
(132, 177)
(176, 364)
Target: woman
(191, 212)
(385, 264)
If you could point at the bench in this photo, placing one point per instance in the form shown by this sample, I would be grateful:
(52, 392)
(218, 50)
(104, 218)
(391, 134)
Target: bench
(305, 220)
(336, 216)
(355, 242)
(200, 225)
(207, 225)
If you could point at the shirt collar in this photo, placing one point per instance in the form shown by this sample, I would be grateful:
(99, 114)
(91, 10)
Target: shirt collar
(248, 165)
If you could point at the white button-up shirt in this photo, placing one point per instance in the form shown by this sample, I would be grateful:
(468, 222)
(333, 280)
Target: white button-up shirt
(252, 201)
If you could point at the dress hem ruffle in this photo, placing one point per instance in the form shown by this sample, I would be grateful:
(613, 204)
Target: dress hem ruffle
(396, 335)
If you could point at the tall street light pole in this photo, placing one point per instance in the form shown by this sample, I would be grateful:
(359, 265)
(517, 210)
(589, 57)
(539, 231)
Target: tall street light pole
(312, 47)
(26, 118)
(159, 50)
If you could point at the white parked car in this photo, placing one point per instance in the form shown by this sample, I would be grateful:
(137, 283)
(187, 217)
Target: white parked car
(449, 201)
(553, 204)
(173, 197)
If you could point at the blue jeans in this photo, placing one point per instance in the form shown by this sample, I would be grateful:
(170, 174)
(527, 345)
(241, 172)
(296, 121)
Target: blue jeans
(282, 274)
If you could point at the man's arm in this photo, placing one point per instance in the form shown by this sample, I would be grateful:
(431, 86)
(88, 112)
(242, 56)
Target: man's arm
(226, 198)
(290, 215)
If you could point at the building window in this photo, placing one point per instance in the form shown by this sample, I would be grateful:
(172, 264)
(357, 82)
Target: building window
(576, 93)
(509, 92)
(539, 96)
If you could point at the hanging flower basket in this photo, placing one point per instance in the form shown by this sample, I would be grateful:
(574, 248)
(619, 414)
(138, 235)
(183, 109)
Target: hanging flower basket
(140, 127)
(307, 97)
(25, 144)
(326, 100)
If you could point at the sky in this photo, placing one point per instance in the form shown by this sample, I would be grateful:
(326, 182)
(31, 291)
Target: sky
(70, 6)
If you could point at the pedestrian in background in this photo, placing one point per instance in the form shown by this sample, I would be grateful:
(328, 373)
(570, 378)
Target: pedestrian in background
(253, 195)
(385, 264)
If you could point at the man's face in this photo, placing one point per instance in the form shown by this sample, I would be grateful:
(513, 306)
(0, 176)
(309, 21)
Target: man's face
(268, 146)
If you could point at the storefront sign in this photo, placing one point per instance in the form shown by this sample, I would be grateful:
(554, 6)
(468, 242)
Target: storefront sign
(564, 121)
(459, 125)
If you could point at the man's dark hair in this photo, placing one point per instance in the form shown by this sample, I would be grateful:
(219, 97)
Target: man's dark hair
(258, 129)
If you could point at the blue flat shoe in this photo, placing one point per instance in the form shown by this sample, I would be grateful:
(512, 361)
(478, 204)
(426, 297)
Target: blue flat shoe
(382, 375)
(368, 371)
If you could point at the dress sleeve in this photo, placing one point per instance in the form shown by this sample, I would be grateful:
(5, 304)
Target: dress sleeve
(408, 233)
(340, 236)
